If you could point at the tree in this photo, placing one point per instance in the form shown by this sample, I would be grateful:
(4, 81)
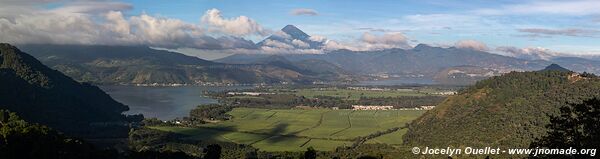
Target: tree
(310, 153)
(21, 139)
(212, 152)
(576, 126)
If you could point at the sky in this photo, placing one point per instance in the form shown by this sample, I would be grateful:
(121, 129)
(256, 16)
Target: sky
(532, 28)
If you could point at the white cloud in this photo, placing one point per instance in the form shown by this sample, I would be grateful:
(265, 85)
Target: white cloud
(277, 44)
(98, 23)
(385, 41)
(240, 26)
(282, 34)
(540, 32)
(529, 53)
(300, 43)
(93, 7)
(471, 44)
(369, 42)
(318, 38)
(304, 11)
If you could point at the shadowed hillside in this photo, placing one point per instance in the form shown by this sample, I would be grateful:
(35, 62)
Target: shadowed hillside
(42, 95)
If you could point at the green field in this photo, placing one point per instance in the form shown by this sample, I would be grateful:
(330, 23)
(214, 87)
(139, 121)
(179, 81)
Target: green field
(295, 129)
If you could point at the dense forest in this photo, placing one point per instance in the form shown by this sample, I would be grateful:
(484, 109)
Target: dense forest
(508, 111)
(575, 127)
(42, 95)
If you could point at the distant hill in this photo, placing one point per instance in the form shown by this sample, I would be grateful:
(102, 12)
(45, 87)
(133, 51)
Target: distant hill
(143, 65)
(464, 75)
(315, 67)
(555, 67)
(421, 61)
(43, 95)
(508, 111)
(578, 64)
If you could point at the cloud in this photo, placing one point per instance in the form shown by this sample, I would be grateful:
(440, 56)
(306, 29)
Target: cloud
(95, 23)
(300, 44)
(572, 7)
(369, 41)
(540, 32)
(392, 39)
(471, 44)
(530, 53)
(318, 38)
(304, 11)
(240, 26)
(375, 29)
(93, 7)
(277, 44)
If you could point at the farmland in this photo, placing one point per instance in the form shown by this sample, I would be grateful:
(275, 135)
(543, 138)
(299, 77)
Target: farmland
(298, 129)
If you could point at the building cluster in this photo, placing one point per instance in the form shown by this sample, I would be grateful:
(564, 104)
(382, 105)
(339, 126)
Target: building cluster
(248, 93)
(387, 107)
(427, 107)
(372, 107)
(446, 93)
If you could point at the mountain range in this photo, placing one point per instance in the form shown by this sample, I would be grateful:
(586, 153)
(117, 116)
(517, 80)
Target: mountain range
(144, 65)
(444, 65)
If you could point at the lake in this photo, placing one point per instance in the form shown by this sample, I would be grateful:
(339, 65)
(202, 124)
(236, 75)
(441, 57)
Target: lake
(164, 103)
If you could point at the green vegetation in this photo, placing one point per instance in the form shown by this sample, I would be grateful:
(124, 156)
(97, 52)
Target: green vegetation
(42, 95)
(297, 129)
(576, 127)
(20, 139)
(509, 111)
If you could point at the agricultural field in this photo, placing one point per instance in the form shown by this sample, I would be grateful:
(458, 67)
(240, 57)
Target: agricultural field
(298, 129)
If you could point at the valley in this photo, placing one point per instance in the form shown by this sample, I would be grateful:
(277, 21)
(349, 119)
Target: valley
(297, 129)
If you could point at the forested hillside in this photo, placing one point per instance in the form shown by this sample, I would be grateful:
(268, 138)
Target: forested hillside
(508, 111)
(42, 95)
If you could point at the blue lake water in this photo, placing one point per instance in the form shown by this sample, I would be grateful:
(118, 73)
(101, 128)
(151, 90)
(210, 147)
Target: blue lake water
(165, 103)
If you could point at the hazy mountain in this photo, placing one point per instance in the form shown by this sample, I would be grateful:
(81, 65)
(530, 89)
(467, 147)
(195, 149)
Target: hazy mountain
(315, 67)
(290, 35)
(506, 111)
(423, 60)
(43, 95)
(464, 75)
(428, 62)
(578, 64)
(143, 65)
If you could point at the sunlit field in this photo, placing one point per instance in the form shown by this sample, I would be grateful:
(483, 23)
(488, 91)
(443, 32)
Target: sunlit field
(296, 129)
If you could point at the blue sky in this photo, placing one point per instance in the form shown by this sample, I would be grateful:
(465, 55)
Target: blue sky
(438, 22)
(547, 26)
